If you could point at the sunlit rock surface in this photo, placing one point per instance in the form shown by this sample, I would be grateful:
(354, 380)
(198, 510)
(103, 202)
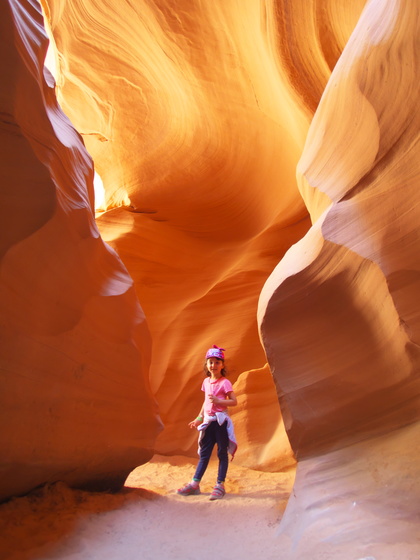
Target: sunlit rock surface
(196, 132)
(196, 115)
(75, 402)
(259, 425)
(339, 316)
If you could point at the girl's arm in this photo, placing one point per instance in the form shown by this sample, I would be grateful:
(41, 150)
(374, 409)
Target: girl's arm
(197, 421)
(229, 401)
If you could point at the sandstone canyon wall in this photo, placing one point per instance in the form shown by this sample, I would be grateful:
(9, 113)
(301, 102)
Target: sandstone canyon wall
(196, 114)
(75, 400)
(339, 316)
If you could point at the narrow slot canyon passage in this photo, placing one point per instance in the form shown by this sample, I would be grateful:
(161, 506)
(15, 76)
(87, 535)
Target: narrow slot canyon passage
(189, 174)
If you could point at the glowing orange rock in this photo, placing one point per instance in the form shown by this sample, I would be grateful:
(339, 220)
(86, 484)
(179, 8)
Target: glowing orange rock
(196, 135)
(258, 424)
(339, 316)
(75, 403)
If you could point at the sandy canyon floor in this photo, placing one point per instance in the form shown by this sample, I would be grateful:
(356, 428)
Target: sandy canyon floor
(148, 520)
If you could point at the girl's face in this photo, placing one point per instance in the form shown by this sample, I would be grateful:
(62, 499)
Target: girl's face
(215, 366)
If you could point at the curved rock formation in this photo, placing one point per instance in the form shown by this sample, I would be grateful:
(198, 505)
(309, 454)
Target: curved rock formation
(259, 426)
(75, 403)
(338, 316)
(196, 115)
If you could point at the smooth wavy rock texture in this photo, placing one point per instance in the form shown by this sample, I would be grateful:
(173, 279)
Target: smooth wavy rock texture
(75, 403)
(339, 316)
(351, 278)
(196, 116)
(260, 166)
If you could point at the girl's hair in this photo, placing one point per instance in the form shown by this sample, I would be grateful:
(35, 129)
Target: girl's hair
(223, 371)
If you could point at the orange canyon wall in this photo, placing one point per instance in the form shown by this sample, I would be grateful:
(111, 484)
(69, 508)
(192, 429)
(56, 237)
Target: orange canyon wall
(197, 116)
(339, 316)
(75, 346)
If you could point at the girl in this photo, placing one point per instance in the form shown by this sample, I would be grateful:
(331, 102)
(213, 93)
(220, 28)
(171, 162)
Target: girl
(214, 424)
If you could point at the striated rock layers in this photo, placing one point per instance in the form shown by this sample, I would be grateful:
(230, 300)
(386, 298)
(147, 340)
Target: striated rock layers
(196, 114)
(75, 402)
(339, 317)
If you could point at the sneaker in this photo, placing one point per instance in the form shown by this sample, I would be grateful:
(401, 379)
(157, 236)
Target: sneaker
(218, 492)
(189, 490)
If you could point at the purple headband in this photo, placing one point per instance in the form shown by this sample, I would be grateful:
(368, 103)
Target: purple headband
(215, 352)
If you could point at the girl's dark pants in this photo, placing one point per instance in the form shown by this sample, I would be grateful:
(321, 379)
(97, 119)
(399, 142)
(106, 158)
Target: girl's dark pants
(214, 434)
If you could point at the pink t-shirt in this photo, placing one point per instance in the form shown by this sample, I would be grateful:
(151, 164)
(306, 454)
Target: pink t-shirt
(219, 388)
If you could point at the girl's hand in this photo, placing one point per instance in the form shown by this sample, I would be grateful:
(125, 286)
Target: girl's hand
(215, 400)
(195, 423)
